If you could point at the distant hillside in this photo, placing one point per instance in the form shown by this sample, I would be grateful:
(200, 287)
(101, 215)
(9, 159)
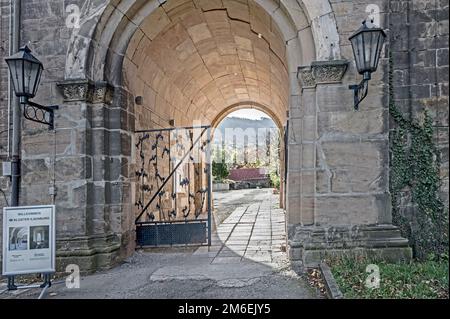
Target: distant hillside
(251, 128)
(237, 122)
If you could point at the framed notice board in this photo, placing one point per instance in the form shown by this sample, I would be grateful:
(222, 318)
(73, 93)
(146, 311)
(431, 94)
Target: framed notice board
(28, 240)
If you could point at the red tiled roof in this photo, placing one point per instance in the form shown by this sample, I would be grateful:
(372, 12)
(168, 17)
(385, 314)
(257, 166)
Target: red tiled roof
(247, 174)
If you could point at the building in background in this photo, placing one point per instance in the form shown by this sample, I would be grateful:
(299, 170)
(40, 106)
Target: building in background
(245, 178)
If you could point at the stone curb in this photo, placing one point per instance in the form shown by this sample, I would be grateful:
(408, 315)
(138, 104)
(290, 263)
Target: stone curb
(333, 290)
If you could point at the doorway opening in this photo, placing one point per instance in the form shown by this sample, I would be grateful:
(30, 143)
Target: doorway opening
(246, 148)
(246, 182)
(190, 70)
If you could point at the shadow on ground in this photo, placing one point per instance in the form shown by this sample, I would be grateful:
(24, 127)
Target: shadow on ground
(245, 260)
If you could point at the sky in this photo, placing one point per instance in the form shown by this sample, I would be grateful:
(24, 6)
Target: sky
(252, 114)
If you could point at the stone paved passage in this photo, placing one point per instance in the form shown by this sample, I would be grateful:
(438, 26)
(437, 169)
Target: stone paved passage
(254, 232)
(244, 261)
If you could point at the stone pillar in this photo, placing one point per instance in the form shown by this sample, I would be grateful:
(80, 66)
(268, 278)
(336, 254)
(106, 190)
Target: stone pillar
(93, 185)
(338, 171)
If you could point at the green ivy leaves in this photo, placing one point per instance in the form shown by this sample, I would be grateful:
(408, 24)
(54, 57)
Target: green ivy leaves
(415, 164)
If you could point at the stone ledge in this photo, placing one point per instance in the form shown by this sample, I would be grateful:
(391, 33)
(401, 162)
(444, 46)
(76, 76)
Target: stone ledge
(308, 246)
(332, 287)
(322, 72)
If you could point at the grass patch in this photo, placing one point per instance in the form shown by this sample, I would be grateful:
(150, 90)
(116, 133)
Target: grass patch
(415, 280)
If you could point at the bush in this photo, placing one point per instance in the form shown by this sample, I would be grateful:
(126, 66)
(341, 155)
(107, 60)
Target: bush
(275, 180)
(220, 171)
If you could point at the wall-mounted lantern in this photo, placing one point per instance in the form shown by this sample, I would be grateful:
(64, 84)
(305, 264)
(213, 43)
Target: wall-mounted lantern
(367, 44)
(26, 71)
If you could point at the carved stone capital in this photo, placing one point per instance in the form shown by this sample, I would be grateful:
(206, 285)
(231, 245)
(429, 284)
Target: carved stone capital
(102, 92)
(322, 72)
(85, 90)
(329, 71)
(74, 90)
(306, 77)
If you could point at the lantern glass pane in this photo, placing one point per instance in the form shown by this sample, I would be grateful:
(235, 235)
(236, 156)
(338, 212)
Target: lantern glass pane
(35, 76)
(375, 50)
(32, 72)
(21, 71)
(362, 53)
(14, 71)
(380, 43)
(369, 49)
(27, 77)
(357, 43)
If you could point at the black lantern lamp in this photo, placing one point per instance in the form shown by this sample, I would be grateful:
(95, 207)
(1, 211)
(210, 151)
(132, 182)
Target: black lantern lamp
(367, 44)
(26, 71)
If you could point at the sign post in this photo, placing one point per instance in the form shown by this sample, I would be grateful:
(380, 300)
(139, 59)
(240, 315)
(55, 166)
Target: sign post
(28, 243)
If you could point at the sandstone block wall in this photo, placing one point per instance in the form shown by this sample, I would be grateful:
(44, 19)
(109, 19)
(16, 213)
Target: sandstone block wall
(420, 41)
(342, 175)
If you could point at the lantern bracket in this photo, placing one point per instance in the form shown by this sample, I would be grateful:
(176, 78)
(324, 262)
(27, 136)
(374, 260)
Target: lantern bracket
(39, 113)
(360, 90)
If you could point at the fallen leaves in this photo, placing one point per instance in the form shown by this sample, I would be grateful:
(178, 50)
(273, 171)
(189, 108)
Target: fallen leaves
(315, 280)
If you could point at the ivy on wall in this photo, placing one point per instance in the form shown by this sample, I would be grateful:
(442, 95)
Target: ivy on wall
(415, 178)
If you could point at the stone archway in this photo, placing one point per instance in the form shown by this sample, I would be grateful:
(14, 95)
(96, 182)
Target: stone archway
(112, 33)
(324, 175)
(191, 65)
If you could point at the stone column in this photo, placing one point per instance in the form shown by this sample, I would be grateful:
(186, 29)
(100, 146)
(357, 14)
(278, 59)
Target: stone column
(338, 171)
(91, 230)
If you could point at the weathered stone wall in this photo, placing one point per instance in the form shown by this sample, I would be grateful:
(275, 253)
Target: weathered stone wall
(344, 167)
(4, 51)
(340, 185)
(77, 158)
(419, 33)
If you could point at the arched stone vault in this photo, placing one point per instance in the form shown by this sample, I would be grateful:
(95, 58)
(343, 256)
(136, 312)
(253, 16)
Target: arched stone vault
(242, 51)
(189, 60)
(192, 62)
(197, 60)
(201, 62)
(103, 21)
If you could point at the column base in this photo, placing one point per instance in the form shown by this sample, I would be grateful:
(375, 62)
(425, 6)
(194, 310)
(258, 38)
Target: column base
(90, 253)
(309, 245)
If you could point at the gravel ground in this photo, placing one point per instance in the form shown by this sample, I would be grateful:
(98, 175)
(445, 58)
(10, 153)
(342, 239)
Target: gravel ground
(141, 277)
(183, 273)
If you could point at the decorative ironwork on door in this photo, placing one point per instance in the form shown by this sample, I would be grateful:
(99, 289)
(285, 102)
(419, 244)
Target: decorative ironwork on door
(173, 193)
